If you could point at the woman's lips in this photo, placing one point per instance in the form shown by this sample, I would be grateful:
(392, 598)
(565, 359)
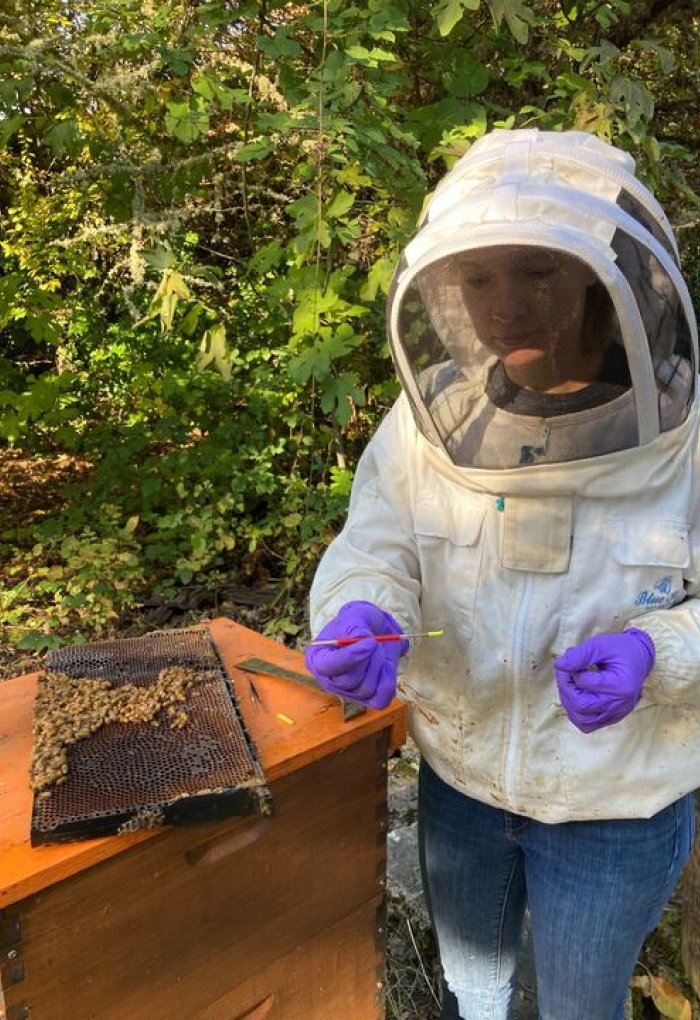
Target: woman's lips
(514, 339)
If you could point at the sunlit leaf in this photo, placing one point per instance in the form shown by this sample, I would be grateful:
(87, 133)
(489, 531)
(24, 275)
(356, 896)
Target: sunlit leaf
(448, 13)
(252, 151)
(185, 122)
(131, 525)
(378, 279)
(214, 351)
(669, 1001)
(518, 17)
(342, 203)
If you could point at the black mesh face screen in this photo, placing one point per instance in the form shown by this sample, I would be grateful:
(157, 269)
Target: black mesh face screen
(191, 760)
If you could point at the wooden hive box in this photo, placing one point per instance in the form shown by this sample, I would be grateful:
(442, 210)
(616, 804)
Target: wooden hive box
(253, 917)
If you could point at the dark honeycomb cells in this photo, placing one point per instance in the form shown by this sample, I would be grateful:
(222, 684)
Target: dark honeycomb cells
(126, 776)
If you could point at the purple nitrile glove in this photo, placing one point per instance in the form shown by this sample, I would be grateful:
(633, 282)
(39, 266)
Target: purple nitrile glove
(365, 671)
(600, 696)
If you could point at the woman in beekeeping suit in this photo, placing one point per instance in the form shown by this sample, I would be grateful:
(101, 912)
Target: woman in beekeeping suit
(534, 493)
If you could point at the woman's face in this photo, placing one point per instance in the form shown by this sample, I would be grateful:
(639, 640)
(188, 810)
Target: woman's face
(527, 306)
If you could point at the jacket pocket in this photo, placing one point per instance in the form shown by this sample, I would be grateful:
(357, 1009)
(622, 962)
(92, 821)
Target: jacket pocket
(652, 555)
(621, 570)
(639, 542)
(449, 548)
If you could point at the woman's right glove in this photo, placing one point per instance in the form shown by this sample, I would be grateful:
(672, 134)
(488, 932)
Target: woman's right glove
(365, 671)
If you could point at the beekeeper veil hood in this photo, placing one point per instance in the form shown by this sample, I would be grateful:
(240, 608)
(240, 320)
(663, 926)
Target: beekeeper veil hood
(539, 314)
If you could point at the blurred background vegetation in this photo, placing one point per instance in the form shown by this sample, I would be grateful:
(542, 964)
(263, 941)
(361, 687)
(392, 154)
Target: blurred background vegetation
(201, 205)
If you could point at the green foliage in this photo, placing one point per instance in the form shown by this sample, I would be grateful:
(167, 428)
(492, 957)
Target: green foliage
(202, 206)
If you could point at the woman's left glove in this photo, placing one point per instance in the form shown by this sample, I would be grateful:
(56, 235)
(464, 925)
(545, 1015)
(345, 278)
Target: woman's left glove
(365, 671)
(600, 681)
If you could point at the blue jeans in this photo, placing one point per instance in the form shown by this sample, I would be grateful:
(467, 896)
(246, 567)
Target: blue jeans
(594, 891)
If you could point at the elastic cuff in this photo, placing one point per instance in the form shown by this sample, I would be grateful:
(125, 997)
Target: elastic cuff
(646, 640)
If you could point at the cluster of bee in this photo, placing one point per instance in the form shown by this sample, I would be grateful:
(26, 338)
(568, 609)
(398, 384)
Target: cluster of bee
(146, 818)
(71, 708)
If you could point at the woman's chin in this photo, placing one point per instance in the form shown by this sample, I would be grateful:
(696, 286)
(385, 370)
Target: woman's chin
(524, 355)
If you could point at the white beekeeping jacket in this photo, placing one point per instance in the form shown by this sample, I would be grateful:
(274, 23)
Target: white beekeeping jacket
(537, 482)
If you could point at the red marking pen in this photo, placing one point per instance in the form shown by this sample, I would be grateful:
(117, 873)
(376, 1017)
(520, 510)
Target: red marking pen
(343, 641)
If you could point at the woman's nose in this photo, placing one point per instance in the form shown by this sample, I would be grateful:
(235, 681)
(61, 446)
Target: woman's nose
(511, 298)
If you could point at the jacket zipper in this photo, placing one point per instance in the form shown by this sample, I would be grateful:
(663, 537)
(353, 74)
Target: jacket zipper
(510, 779)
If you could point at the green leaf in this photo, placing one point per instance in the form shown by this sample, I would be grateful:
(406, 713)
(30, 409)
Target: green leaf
(204, 87)
(468, 77)
(159, 257)
(313, 361)
(518, 71)
(172, 283)
(636, 98)
(338, 395)
(341, 203)
(604, 54)
(252, 151)
(378, 278)
(373, 57)
(15, 91)
(449, 119)
(266, 258)
(185, 122)
(607, 14)
(178, 61)
(37, 641)
(570, 83)
(43, 328)
(9, 288)
(212, 15)
(448, 13)
(191, 320)
(8, 127)
(518, 17)
(63, 137)
(280, 45)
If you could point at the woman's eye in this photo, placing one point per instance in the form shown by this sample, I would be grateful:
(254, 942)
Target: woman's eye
(541, 273)
(476, 282)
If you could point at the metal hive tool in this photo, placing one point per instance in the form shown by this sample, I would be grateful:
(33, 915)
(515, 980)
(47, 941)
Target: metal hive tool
(128, 777)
